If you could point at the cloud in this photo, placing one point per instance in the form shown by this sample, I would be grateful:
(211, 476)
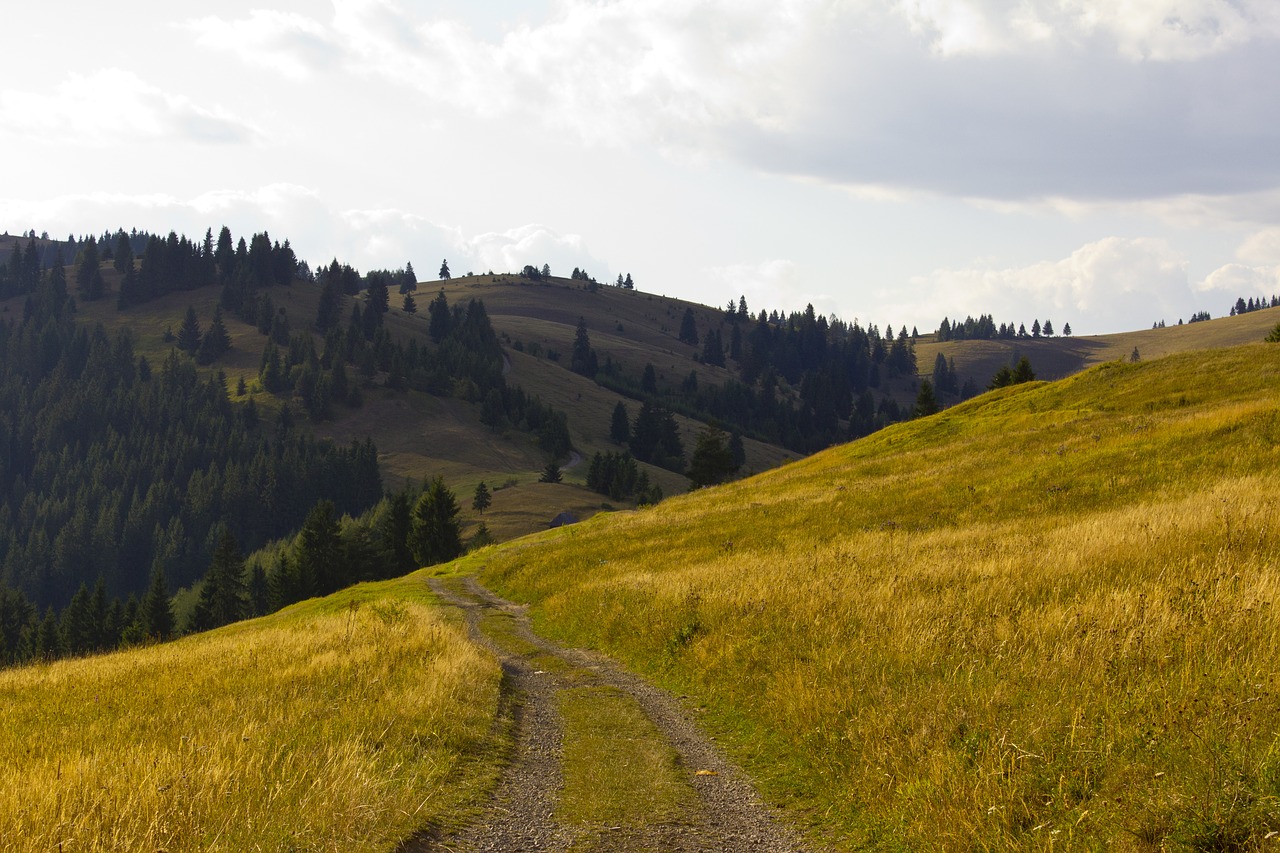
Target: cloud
(1108, 285)
(1262, 247)
(1013, 100)
(1140, 30)
(318, 231)
(532, 244)
(292, 44)
(775, 284)
(1241, 280)
(112, 106)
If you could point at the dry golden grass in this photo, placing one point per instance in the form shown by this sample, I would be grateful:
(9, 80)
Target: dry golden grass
(1042, 619)
(340, 724)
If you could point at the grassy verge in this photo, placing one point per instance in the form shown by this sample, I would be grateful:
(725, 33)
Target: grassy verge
(618, 768)
(345, 723)
(1044, 618)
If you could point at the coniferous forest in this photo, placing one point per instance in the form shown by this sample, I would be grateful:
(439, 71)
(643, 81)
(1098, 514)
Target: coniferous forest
(122, 480)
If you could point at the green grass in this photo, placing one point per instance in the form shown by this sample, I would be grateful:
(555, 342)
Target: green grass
(1043, 618)
(344, 723)
(619, 771)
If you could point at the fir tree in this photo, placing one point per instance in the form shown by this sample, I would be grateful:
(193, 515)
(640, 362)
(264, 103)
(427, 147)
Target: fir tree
(436, 536)
(155, 614)
(620, 425)
(222, 595)
(712, 462)
(482, 499)
(551, 473)
(926, 403)
(189, 334)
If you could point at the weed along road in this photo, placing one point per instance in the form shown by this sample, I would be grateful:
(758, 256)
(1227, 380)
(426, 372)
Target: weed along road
(601, 760)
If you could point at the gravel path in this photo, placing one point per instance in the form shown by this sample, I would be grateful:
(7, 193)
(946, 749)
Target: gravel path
(729, 815)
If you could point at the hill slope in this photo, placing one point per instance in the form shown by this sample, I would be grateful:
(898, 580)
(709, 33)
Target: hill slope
(1044, 616)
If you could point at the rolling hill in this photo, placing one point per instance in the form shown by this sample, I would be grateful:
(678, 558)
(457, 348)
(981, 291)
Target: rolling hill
(1045, 617)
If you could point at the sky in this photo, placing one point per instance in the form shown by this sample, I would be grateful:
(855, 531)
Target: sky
(1103, 163)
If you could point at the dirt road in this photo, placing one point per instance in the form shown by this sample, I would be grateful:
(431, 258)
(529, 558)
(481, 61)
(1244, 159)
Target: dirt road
(722, 812)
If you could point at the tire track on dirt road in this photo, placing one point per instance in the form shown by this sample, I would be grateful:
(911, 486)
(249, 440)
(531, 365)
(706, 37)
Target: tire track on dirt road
(724, 812)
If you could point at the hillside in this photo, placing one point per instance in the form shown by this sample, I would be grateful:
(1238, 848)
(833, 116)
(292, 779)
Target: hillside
(1044, 617)
(1057, 357)
(345, 723)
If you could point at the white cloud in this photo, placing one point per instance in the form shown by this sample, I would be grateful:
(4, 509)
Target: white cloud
(1262, 247)
(1241, 280)
(1108, 285)
(1018, 100)
(112, 106)
(512, 250)
(1156, 30)
(292, 44)
(318, 232)
(775, 284)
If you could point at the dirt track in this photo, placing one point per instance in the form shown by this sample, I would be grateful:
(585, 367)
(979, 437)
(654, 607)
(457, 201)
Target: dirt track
(728, 815)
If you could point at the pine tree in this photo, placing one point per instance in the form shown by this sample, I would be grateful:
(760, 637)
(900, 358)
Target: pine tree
(441, 321)
(620, 425)
(926, 403)
(155, 614)
(551, 473)
(89, 281)
(216, 340)
(397, 525)
(410, 304)
(436, 536)
(712, 462)
(583, 358)
(1022, 372)
(688, 328)
(222, 595)
(1048, 328)
(444, 270)
(1066, 330)
(482, 499)
(189, 334)
(318, 551)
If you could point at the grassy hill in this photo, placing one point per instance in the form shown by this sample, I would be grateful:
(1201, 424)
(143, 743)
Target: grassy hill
(345, 723)
(1043, 618)
(1054, 358)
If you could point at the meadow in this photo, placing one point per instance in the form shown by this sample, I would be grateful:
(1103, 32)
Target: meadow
(345, 723)
(1042, 619)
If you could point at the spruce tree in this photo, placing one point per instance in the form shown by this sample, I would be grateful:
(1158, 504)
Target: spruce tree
(688, 328)
(551, 473)
(155, 614)
(926, 403)
(436, 536)
(712, 462)
(620, 425)
(583, 358)
(189, 334)
(482, 499)
(222, 595)
(318, 551)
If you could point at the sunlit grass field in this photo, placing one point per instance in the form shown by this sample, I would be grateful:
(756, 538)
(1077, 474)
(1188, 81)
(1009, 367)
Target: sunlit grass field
(1042, 619)
(346, 723)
